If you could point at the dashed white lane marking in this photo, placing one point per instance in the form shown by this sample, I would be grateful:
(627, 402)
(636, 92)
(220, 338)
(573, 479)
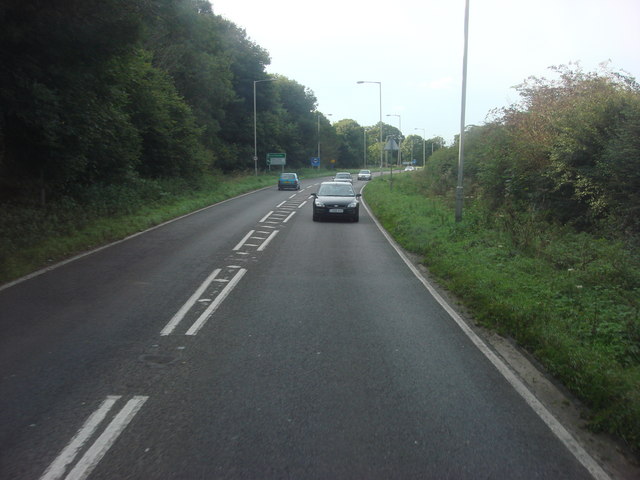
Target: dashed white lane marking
(288, 217)
(177, 318)
(100, 447)
(202, 319)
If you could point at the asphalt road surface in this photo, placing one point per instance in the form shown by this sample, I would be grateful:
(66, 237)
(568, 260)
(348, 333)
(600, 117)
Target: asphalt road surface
(247, 341)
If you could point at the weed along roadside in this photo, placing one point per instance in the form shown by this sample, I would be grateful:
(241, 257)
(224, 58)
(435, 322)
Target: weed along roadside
(35, 237)
(578, 318)
(568, 298)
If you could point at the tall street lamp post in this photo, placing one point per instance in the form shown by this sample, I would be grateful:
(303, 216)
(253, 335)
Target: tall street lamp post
(255, 126)
(459, 188)
(424, 142)
(400, 139)
(380, 125)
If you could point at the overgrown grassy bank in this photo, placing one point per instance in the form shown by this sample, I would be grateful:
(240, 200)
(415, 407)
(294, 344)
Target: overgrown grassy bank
(33, 237)
(569, 298)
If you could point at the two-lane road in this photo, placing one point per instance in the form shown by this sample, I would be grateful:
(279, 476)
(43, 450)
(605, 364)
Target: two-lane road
(247, 341)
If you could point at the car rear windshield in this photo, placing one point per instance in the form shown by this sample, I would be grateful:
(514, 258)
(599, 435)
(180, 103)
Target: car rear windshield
(288, 176)
(336, 190)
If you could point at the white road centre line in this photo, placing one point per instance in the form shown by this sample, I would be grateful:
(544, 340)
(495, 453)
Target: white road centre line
(302, 204)
(246, 237)
(292, 196)
(68, 454)
(202, 319)
(289, 217)
(265, 217)
(266, 242)
(101, 446)
(177, 318)
(280, 204)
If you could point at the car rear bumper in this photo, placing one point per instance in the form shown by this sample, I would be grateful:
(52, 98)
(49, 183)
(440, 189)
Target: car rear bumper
(337, 212)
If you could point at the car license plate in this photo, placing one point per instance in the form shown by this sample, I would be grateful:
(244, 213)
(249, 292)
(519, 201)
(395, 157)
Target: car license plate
(336, 210)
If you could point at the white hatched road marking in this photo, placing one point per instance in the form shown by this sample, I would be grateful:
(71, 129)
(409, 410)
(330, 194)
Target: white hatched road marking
(202, 319)
(265, 217)
(246, 237)
(177, 318)
(266, 242)
(101, 446)
(96, 452)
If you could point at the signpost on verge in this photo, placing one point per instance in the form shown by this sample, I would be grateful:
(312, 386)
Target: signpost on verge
(276, 159)
(315, 162)
(391, 146)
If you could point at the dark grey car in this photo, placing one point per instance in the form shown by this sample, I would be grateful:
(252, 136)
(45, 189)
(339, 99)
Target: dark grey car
(336, 200)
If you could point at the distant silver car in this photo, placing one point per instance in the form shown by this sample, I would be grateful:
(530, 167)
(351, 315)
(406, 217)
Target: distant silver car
(343, 177)
(364, 175)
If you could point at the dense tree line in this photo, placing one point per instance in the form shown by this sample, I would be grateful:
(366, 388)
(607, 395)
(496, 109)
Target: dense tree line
(568, 153)
(117, 90)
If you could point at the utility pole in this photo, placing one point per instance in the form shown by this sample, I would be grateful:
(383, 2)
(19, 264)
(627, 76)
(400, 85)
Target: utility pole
(459, 188)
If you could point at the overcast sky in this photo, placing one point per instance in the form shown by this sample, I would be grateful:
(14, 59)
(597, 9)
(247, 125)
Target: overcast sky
(415, 47)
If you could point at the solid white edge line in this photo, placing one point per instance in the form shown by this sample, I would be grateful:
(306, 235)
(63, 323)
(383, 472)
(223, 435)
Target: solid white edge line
(547, 417)
(202, 319)
(103, 247)
(103, 443)
(265, 217)
(246, 237)
(68, 454)
(266, 242)
(177, 318)
(288, 217)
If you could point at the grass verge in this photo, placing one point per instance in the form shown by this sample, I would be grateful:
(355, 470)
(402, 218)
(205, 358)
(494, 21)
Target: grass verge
(569, 298)
(34, 237)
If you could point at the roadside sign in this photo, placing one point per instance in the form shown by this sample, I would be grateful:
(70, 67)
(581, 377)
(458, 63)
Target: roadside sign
(276, 159)
(391, 145)
(315, 161)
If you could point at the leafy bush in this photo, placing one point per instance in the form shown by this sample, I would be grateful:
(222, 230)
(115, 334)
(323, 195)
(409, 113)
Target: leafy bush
(569, 297)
